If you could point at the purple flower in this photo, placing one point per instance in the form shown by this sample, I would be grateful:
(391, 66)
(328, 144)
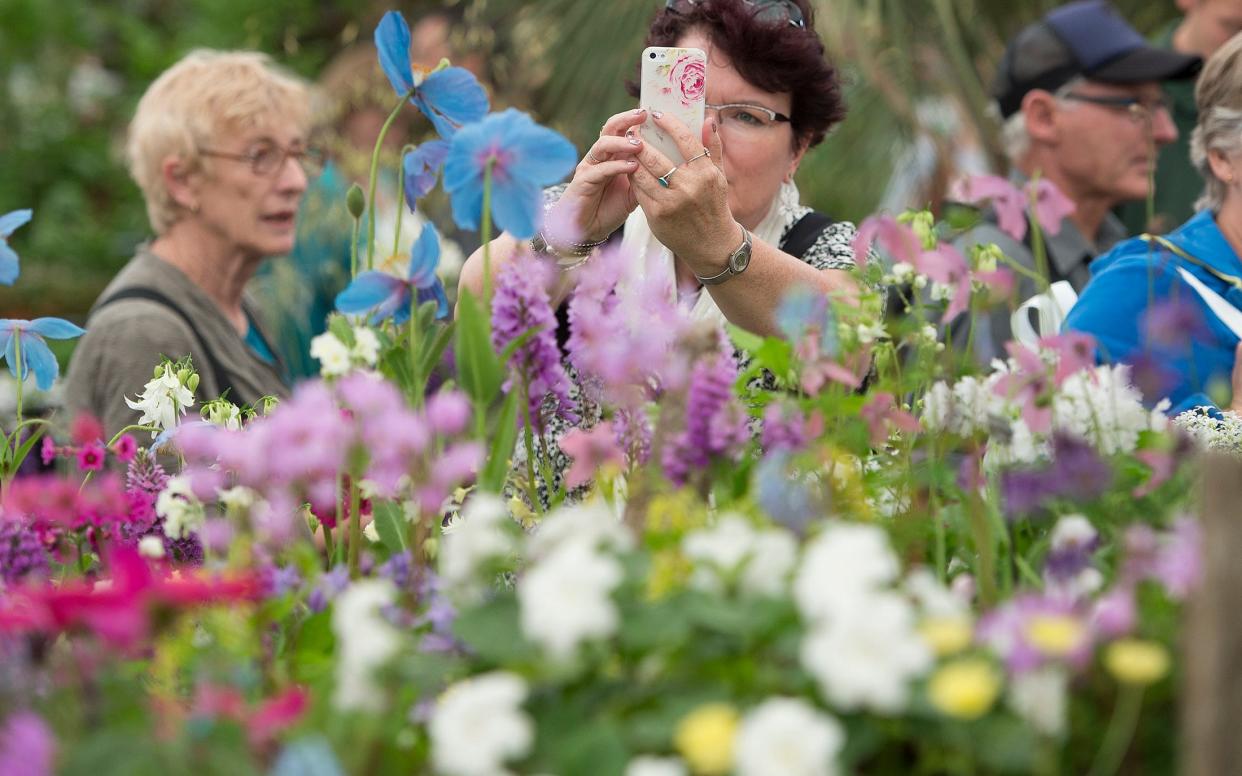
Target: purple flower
(280, 580)
(1172, 324)
(27, 746)
(715, 423)
(9, 267)
(1179, 564)
(633, 432)
(1115, 613)
(21, 552)
(397, 568)
(519, 305)
(1074, 542)
(449, 97)
(785, 427)
(1083, 475)
(91, 457)
(330, 585)
(35, 355)
(524, 158)
(448, 413)
(386, 296)
(1031, 630)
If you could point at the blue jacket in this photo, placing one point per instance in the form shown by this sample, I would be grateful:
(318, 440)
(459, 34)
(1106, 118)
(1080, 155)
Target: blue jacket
(1136, 275)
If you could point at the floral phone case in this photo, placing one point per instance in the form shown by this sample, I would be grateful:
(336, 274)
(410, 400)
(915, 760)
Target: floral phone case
(674, 82)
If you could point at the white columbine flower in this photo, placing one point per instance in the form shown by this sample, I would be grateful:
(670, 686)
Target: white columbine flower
(844, 563)
(366, 346)
(151, 546)
(477, 536)
(871, 332)
(163, 400)
(593, 523)
(1039, 698)
(566, 598)
(478, 724)
(224, 413)
(787, 736)
(332, 354)
(764, 558)
(868, 654)
(182, 511)
(364, 642)
(647, 765)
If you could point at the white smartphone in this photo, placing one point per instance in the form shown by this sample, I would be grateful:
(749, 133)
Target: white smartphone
(674, 82)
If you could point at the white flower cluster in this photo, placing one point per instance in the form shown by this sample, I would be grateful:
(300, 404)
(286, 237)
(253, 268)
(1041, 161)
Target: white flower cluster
(565, 597)
(164, 399)
(478, 724)
(182, 511)
(861, 644)
(222, 412)
(336, 358)
(364, 642)
(1220, 430)
(477, 536)
(788, 736)
(1104, 408)
(733, 552)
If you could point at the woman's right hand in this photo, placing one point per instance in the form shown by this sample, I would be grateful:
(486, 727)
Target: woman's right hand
(599, 198)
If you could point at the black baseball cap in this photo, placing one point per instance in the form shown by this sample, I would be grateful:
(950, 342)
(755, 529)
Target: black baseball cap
(1086, 38)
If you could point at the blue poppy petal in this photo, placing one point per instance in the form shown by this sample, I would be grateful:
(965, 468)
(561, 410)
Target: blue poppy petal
(435, 292)
(424, 257)
(516, 204)
(40, 360)
(398, 307)
(369, 289)
(537, 154)
(10, 355)
(9, 266)
(452, 98)
(10, 221)
(463, 174)
(392, 40)
(55, 328)
(6, 338)
(422, 167)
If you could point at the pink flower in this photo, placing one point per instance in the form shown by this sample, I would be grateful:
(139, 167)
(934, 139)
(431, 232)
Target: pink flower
(86, 428)
(880, 412)
(1011, 203)
(125, 448)
(275, 714)
(1030, 384)
(1051, 206)
(91, 456)
(947, 266)
(590, 450)
(689, 78)
(898, 240)
(1075, 351)
(47, 451)
(27, 746)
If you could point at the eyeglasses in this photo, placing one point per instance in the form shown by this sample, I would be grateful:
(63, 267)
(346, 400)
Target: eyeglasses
(766, 10)
(743, 117)
(267, 158)
(1139, 109)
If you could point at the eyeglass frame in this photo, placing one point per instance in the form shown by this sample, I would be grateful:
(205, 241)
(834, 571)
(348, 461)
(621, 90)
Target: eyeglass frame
(1138, 108)
(772, 115)
(299, 155)
(793, 14)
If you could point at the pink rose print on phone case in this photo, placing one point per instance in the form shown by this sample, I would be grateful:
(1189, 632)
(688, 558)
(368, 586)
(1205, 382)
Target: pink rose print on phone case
(689, 78)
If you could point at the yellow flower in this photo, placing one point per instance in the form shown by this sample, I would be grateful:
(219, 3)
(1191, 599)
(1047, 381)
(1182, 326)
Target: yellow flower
(676, 512)
(965, 688)
(946, 635)
(704, 737)
(1135, 661)
(1055, 634)
(669, 571)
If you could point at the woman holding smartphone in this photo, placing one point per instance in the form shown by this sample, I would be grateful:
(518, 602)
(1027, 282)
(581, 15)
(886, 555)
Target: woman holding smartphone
(732, 230)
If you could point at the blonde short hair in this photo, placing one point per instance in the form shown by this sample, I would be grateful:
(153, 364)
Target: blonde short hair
(193, 103)
(1218, 96)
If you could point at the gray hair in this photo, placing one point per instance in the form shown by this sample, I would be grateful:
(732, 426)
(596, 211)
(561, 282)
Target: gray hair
(1218, 96)
(1014, 137)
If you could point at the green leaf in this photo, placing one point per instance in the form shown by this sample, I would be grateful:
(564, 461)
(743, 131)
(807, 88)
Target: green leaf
(433, 349)
(492, 631)
(480, 371)
(390, 525)
(492, 477)
(339, 327)
(596, 748)
(24, 449)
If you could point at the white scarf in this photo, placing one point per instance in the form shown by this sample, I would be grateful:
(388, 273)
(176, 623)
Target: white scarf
(656, 262)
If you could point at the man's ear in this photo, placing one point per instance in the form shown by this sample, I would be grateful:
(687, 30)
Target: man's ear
(180, 183)
(1039, 108)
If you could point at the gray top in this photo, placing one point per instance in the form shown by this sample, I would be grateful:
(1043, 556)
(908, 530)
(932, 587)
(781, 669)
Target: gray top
(125, 339)
(1069, 254)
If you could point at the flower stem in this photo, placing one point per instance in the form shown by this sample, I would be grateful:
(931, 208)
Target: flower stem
(1120, 731)
(21, 377)
(375, 155)
(355, 527)
(353, 249)
(485, 233)
(396, 234)
(1037, 237)
(982, 535)
(327, 544)
(416, 380)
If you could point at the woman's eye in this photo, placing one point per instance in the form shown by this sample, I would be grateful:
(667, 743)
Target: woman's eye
(749, 118)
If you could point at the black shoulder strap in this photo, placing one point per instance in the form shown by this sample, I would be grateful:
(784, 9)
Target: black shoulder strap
(802, 235)
(213, 365)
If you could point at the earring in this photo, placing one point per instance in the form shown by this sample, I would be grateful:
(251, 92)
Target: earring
(194, 208)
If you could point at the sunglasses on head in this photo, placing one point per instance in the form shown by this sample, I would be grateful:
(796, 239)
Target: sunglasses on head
(771, 11)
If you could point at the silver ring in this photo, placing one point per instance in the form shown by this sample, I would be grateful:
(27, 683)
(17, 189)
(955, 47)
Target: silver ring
(591, 158)
(706, 153)
(663, 179)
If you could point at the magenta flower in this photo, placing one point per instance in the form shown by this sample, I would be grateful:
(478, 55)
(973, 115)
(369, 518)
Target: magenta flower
(91, 457)
(1011, 203)
(125, 448)
(47, 451)
(590, 450)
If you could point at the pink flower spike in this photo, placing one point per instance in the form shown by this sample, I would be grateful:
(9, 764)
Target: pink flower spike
(1008, 202)
(897, 239)
(125, 448)
(590, 450)
(91, 457)
(1051, 206)
(47, 451)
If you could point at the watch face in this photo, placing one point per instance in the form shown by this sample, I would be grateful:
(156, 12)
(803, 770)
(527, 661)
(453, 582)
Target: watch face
(739, 261)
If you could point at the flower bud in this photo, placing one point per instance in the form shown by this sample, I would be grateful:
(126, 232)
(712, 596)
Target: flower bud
(355, 201)
(183, 374)
(159, 371)
(192, 382)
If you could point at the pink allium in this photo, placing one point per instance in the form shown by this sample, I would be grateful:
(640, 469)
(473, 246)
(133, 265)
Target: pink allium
(91, 456)
(27, 746)
(124, 448)
(590, 450)
(715, 423)
(448, 413)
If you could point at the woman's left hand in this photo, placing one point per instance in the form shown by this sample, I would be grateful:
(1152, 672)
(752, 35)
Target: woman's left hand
(691, 216)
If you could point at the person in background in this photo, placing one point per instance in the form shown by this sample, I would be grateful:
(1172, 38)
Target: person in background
(219, 147)
(1205, 26)
(1079, 93)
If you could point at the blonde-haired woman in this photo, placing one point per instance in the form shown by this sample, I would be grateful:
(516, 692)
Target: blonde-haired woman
(218, 147)
(1171, 305)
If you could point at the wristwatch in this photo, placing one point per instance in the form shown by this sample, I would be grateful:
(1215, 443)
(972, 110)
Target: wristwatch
(571, 256)
(738, 261)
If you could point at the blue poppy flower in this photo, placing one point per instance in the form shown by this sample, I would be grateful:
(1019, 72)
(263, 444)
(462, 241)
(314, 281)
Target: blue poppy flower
(385, 296)
(525, 158)
(9, 222)
(450, 96)
(36, 357)
(422, 167)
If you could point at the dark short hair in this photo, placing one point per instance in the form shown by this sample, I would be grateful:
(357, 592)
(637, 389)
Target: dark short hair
(772, 56)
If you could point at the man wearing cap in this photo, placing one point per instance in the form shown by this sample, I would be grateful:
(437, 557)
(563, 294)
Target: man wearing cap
(1204, 27)
(1080, 95)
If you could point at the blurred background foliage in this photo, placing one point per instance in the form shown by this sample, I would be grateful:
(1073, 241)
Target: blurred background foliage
(72, 71)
